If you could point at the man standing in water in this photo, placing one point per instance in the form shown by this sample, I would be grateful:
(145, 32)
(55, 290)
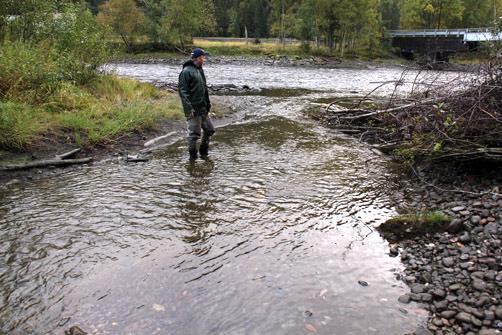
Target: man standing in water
(192, 89)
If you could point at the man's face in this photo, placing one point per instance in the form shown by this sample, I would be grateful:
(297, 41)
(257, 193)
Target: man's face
(199, 61)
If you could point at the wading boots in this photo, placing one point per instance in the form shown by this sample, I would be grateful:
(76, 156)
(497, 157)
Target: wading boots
(204, 148)
(192, 150)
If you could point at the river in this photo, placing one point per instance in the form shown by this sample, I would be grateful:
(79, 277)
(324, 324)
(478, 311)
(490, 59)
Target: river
(274, 234)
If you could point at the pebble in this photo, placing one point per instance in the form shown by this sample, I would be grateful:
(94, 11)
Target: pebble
(458, 209)
(462, 267)
(465, 238)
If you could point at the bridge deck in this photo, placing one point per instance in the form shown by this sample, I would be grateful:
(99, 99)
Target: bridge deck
(467, 35)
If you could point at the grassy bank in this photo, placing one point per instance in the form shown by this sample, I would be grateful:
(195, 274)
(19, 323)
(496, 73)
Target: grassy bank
(93, 113)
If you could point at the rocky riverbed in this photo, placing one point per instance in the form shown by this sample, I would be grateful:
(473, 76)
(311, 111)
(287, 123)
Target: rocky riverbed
(302, 61)
(456, 275)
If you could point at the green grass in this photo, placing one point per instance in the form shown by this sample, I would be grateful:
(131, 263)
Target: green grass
(100, 111)
(415, 224)
(422, 218)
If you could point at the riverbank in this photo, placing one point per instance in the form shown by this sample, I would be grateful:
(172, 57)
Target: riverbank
(312, 61)
(118, 147)
(455, 275)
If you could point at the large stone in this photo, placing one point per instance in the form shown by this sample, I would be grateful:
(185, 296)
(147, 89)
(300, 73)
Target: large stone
(488, 332)
(404, 299)
(425, 297)
(498, 312)
(417, 288)
(439, 293)
(448, 314)
(448, 261)
(491, 228)
(455, 226)
(458, 209)
(489, 315)
(479, 285)
(464, 317)
(465, 238)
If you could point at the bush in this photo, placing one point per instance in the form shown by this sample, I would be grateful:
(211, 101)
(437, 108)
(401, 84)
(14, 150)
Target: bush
(79, 42)
(27, 70)
(68, 48)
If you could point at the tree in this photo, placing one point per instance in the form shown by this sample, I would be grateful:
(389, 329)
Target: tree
(391, 14)
(432, 14)
(481, 13)
(124, 18)
(182, 19)
(22, 19)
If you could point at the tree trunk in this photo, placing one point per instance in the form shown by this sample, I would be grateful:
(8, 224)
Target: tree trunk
(342, 51)
(126, 42)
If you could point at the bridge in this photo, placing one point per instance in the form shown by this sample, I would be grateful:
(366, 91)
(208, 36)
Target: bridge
(438, 44)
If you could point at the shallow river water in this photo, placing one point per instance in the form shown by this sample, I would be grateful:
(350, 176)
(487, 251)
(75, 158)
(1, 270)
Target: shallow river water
(273, 235)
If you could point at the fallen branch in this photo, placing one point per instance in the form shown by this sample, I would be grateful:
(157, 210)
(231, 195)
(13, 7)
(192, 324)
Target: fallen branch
(45, 163)
(157, 139)
(388, 110)
(68, 154)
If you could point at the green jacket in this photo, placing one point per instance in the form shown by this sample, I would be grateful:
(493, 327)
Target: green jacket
(192, 89)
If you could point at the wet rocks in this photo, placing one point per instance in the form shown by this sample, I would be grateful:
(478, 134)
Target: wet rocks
(456, 274)
(75, 330)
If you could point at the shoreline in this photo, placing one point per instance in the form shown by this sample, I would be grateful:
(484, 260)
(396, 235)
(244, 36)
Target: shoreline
(299, 61)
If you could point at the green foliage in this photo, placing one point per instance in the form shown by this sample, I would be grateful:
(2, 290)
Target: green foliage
(24, 20)
(69, 47)
(416, 14)
(28, 71)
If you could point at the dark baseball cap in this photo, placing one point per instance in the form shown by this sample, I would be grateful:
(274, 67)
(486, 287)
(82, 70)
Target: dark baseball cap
(198, 52)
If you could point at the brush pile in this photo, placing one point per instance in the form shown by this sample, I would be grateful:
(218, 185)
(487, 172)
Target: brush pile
(457, 120)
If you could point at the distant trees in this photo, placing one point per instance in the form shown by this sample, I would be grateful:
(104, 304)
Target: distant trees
(124, 18)
(436, 14)
(338, 24)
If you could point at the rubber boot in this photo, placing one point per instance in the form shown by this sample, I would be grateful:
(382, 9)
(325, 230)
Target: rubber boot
(192, 150)
(204, 149)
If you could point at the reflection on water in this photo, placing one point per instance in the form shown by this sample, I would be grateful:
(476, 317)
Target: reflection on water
(269, 236)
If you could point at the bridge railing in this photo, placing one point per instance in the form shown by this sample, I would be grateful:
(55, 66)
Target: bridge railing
(441, 31)
(467, 34)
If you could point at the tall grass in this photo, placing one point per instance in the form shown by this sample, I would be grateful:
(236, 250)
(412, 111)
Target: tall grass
(98, 112)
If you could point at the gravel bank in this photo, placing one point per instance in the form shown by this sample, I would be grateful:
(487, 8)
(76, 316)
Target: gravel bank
(456, 275)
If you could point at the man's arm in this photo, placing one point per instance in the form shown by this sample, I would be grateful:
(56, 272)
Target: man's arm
(184, 92)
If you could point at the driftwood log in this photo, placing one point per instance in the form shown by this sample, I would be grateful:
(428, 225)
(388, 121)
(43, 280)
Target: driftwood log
(58, 160)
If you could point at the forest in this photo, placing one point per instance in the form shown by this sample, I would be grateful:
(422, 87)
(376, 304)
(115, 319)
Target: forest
(322, 22)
